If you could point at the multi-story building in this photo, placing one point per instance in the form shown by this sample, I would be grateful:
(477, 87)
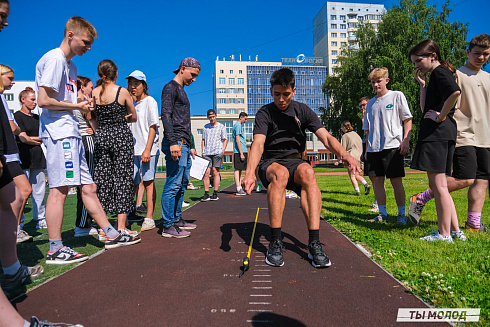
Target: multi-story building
(335, 25)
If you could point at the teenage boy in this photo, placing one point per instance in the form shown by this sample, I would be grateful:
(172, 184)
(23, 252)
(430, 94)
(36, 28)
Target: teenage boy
(145, 134)
(177, 146)
(240, 151)
(55, 84)
(471, 160)
(214, 142)
(280, 137)
(387, 141)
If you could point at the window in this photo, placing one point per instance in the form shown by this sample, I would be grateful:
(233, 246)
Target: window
(240, 91)
(333, 25)
(221, 100)
(221, 90)
(229, 129)
(231, 81)
(248, 129)
(222, 111)
(241, 81)
(231, 71)
(333, 17)
(221, 71)
(334, 61)
(343, 35)
(241, 100)
(342, 26)
(199, 131)
(333, 70)
(231, 111)
(333, 44)
(227, 158)
(342, 17)
(333, 34)
(231, 100)
(343, 44)
(240, 71)
(222, 80)
(334, 52)
(360, 18)
(231, 90)
(309, 136)
(9, 96)
(352, 25)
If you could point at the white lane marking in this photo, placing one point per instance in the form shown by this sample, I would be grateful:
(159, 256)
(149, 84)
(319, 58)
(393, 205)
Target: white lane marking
(262, 275)
(262, 281)
(260, 303)
(260, 294)
(262, 287)
(258, 310)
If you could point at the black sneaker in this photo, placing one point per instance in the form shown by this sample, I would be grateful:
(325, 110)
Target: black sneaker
(214, 197)
(141, 209)
(205, 198)
(35, 322)
(274, 254)
(318, 257)
(64, 256)
(121, 240)
(22, 277)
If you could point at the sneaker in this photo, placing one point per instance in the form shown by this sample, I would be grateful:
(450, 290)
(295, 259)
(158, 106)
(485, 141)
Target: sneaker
(458, 235)
(274, 254)
(259, 188)
(318, 257)
(379, 219)
(374, 209)
(205, 197)
(141, 209)
(401, 219)
(133, 217)
(438, 237)
(358, 193)
(102, 235)
(79, 232)
(182, 224)
(22, 277)
(64, 256)
(367, 189)
(241, 192)
(415, 209)
(214, 197)
(175, 231)
(483, 228)
(128, 232)
(122, 239)
(41, 224)
(35, 322)
(148, 224)
(22, 236)
(185, 204)
(72, 192)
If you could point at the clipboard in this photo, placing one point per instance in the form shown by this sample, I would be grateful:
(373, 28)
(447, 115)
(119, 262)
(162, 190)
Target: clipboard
(199, 167)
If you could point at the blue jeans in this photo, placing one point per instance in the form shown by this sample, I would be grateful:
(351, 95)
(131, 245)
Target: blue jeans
(177, 179)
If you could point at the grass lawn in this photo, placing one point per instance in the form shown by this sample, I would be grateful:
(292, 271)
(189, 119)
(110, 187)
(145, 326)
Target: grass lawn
(444, 275)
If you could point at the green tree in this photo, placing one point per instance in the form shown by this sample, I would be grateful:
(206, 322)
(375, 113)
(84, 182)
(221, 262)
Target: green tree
(401, 28)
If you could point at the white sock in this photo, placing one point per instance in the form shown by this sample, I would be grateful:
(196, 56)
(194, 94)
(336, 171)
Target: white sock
(357, 189)
(364, 182)
(239, 188)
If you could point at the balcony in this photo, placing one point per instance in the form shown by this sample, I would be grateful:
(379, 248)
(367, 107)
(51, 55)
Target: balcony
(352, 38)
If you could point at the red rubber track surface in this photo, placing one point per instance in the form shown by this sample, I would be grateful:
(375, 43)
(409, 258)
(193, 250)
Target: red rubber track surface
(194, 281)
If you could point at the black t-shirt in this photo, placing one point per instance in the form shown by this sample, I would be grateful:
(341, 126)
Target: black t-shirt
(32, 156)
(441, 85)
(285, 131)
(7, 142)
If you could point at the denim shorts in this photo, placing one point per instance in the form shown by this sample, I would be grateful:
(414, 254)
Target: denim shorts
(145, 169)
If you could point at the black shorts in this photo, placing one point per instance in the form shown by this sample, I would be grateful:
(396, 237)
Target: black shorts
(238, 163)
(471, 162)
(6, 178)
(15, 169)
(387, 163)
(291, 165)
(435, 157)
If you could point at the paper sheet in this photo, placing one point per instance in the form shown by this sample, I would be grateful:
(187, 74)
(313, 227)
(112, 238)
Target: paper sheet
(199, 166)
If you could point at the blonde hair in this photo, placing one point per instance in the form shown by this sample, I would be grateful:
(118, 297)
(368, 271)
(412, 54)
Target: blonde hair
(4, 70)
(378, 73)
(78, 25)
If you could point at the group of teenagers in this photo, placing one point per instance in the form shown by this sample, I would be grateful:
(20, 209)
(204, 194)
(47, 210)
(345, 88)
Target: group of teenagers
(275, 156)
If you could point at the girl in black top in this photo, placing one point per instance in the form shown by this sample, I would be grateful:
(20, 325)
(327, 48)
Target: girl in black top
(437, 134)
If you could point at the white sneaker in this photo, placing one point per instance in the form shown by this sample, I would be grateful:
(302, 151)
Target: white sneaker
(41, 224)
(79, 232)
(148, 224)
(458, 235)
(438, 237)
(185, 204)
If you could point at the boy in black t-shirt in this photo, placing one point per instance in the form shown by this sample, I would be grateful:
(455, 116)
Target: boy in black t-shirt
(280, 136)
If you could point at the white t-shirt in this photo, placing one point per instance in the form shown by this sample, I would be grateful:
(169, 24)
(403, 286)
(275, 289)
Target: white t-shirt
(14, 156)
(473, 116)
(147, 114)
(384, 119)
(213, 139)
(54, 72)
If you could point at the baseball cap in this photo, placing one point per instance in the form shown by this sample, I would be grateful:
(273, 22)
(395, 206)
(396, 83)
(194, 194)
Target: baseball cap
(188, 62)
(138, 74)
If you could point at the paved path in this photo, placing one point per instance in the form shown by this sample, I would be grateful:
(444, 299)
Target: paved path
(194, 281)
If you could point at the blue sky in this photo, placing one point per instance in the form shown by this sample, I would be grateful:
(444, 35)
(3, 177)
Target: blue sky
(153, 36)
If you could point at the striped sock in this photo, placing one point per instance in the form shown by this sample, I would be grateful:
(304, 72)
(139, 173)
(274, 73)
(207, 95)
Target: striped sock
(474, 219)
(424, 197)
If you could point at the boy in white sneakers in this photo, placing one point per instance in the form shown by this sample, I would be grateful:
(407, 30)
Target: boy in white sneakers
(55, 84)
(145, 135)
